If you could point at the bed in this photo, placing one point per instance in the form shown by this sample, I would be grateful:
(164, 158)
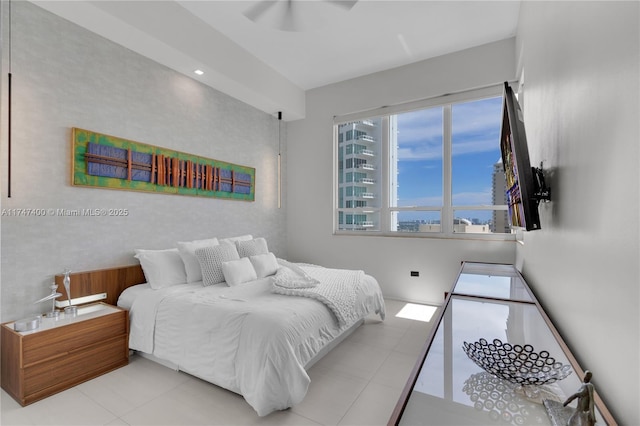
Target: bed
(256, 336)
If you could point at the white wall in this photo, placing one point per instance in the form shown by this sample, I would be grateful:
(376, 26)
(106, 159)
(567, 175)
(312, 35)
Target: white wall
(310, 176)
(65, 76)
(581, 109)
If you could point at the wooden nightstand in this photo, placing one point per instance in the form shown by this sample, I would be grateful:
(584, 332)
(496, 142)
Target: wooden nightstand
(63, 352)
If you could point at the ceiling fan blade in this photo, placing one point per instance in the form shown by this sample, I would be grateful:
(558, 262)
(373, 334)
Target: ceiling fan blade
(347, 4)
(255, 11)
(289, 17)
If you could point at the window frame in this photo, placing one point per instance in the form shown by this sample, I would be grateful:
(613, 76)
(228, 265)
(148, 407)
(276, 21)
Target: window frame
(385, 210)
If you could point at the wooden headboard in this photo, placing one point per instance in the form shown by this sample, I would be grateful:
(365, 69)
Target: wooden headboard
(112, 281)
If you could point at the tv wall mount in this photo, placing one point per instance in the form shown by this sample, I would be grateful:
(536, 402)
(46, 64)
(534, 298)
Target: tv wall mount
(541, 191)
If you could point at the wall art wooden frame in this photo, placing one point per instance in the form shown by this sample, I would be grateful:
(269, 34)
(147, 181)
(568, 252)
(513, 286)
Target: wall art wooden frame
(104, 161)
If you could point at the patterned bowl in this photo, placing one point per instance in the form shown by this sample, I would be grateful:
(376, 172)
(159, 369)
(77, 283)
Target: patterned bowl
(515, 363)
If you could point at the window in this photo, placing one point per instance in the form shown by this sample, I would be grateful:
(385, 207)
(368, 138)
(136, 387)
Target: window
(427, 168)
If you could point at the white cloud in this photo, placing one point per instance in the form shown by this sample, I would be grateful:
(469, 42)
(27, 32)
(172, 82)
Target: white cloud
(476, 198)
(419, 153)
(475, 146)
(476, 128)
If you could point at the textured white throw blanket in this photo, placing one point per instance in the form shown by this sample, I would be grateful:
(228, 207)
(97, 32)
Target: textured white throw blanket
(336, 288)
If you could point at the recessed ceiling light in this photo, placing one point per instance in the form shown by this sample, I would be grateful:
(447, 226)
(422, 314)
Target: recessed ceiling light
(199, 72)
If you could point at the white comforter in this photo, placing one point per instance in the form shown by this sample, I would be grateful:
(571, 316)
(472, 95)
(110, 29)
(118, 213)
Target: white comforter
(243, 338)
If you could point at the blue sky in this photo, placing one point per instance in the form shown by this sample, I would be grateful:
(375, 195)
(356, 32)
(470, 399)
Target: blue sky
(476, 128)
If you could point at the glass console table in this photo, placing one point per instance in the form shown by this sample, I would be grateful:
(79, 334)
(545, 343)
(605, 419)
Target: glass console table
(488, 301)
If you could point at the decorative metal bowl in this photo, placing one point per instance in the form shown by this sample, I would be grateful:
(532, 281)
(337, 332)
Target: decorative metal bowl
(517, 364)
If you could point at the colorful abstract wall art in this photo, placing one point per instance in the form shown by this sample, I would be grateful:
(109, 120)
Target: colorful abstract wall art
(110, 162)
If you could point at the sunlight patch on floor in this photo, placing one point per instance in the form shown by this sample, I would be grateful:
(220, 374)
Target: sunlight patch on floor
(417, 312)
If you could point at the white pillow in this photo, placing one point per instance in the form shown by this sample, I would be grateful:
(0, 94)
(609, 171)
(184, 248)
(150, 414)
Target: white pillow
(162, 268)
(211, 259)
(238, 271)
(188, 254)
(264, 264)
(239, 238)
(252, 247)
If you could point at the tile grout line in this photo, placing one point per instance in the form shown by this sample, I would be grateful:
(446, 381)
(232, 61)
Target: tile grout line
(370, 380)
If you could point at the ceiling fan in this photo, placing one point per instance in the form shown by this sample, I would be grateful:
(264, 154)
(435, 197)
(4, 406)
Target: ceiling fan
(287, 22)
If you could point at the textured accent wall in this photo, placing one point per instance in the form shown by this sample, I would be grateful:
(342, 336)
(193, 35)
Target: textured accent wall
(64, 77)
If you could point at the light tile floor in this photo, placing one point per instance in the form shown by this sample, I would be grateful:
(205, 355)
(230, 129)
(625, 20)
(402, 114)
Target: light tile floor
(358, 383)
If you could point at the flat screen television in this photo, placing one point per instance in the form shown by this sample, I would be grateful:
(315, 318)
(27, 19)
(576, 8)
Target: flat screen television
(525, 186)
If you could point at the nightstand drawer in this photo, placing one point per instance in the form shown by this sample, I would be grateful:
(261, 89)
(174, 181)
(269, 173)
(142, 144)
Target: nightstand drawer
(76, 366)
(50, 344)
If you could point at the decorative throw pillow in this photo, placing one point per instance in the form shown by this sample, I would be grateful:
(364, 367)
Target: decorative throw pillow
(264, 264)
(238, 238)
(211, 259)
(252, 247)
(162, 268)
(238, 271)
(188, 254)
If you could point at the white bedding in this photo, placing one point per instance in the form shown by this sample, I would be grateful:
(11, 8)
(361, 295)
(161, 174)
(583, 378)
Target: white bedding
(243, 338)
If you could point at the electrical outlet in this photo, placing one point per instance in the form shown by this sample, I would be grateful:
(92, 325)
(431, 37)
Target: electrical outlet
(415, 273)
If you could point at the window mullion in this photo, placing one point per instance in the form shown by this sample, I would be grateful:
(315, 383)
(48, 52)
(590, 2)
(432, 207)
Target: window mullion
(446, 221)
